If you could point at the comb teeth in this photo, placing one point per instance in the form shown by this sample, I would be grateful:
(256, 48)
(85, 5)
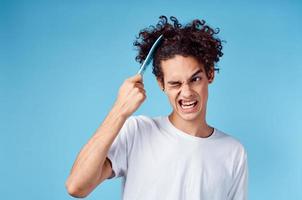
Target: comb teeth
(149, 56)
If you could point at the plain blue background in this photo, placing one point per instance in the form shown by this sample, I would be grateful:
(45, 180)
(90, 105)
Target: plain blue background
(62, 63)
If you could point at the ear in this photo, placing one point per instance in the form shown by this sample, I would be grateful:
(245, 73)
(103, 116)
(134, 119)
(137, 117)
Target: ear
(160, 83)
(211, 75)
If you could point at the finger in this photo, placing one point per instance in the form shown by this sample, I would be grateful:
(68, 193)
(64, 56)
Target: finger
(141, 94)
(139, 85)
(138, 90)
(136, 78)
(142, 91)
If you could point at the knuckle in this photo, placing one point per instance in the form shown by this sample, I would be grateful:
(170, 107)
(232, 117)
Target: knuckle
(130, 85)
(126, 83)
(141, 96)
(136, 89)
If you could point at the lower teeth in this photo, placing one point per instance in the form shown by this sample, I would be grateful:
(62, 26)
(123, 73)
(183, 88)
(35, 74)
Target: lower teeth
(186, 107)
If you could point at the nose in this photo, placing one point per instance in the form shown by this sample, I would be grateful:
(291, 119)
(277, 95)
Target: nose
(186, 91)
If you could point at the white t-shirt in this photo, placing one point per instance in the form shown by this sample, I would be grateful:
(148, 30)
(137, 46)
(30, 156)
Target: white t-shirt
(160, 162)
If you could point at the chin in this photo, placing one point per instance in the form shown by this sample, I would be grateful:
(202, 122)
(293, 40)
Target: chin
(189, 117)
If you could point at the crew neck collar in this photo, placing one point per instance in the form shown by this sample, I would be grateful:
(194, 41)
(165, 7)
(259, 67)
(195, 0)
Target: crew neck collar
(171, 128)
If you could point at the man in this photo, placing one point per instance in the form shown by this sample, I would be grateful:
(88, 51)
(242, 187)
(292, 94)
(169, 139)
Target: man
(173, 157)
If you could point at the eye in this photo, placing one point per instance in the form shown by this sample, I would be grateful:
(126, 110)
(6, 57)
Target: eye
(197, 78)
(174, 84)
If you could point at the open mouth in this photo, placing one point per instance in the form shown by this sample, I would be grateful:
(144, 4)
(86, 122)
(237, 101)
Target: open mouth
(187, 105)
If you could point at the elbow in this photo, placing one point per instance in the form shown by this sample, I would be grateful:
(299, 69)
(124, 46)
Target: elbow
(75, 191)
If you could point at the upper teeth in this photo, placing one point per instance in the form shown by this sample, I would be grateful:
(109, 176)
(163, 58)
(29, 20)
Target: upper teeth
(187, 103)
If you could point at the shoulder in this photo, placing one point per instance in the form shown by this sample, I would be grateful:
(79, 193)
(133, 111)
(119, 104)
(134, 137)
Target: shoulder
(233, 150)
(143, 121)
(231, 144)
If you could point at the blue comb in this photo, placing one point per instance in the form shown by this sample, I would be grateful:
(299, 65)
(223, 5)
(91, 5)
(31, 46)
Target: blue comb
(149, 56)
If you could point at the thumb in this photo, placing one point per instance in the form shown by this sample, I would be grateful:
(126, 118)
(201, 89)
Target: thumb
(136, 78)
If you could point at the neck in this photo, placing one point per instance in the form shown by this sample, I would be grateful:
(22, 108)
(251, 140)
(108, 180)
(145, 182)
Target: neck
(197, 127)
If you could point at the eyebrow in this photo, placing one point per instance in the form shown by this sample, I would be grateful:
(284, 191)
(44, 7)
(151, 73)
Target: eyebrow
(194, 74)
(198, 71)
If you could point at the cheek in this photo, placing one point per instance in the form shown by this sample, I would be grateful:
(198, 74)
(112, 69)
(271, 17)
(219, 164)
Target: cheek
(171, 96)
(202, 90)
(204, 93)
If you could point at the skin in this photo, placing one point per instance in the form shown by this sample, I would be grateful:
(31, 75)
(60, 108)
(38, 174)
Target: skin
(92, 167)
(185, 79)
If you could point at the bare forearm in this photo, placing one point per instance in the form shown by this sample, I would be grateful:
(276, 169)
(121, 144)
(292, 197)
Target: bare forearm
(87, 168)
(90, 167)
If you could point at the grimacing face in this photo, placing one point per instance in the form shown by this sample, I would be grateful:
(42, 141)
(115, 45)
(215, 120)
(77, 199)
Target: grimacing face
(186, 85)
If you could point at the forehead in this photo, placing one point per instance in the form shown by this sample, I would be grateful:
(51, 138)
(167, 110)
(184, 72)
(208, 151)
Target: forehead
(180, 67)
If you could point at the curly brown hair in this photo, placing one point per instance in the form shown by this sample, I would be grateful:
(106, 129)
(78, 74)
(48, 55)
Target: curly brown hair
(194, 39)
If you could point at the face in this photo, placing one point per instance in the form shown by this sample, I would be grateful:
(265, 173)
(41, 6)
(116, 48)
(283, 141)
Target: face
(186, 85)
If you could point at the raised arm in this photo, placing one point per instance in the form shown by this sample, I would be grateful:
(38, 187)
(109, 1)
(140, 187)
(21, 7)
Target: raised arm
(91, 166)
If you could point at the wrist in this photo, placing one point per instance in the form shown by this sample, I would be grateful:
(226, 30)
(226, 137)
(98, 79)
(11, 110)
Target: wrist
(118, 111)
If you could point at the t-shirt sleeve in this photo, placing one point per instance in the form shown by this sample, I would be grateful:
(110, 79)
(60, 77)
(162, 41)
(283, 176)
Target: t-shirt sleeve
(239, 187)
(118, 152)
